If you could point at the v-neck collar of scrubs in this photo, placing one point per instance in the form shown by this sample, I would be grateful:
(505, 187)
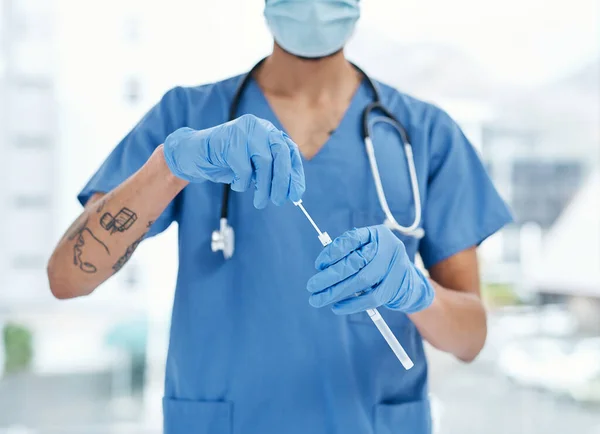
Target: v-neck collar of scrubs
(331, 141)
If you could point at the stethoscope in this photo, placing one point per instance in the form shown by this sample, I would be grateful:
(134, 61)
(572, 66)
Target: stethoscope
(223, 239)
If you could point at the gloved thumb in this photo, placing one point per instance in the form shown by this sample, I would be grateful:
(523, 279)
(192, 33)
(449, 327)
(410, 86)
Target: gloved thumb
(297, 180)
(342, 246)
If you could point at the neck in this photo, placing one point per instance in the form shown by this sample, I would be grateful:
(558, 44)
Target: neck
(286, 75)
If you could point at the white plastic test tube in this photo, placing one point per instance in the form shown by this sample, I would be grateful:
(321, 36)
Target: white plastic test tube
(374, 314)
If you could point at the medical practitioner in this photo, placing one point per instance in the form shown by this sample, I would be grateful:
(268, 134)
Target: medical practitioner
(272, 337)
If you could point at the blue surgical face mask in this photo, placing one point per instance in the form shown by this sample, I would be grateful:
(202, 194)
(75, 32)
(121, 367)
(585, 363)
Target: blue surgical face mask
(311, 28)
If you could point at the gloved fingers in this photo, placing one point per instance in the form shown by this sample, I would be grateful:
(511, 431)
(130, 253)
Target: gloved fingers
(341, 270)
(355, 304)
(361, 281)
(240, 164)
(265, 124)
(282, 168)
(262, 163)
(174, 145)
(342, 246)
(244, 138)
(298, 183)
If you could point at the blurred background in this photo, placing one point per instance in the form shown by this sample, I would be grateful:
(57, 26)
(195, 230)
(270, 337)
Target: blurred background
(522, 78)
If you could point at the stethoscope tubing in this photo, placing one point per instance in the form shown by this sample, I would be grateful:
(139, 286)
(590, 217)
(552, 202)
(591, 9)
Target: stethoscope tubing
(389, 118)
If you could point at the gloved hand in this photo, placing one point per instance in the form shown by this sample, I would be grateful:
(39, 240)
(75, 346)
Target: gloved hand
(239, 152)
(372, 262)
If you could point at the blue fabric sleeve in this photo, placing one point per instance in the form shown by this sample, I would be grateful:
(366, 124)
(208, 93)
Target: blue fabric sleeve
(463, 207)
(133, 151)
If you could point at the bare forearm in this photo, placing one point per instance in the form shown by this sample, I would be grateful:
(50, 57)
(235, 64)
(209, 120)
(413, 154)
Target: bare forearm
(104, 237)
(455, 322)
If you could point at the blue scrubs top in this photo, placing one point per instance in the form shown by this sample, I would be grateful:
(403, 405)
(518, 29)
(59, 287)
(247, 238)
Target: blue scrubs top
(247, 353)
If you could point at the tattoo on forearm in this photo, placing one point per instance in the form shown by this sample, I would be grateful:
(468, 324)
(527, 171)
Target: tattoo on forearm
(120, 222)
(84, 237)
(123, 259)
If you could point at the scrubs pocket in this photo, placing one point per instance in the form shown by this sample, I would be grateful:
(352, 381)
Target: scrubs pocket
(408, 418)
(197, 417)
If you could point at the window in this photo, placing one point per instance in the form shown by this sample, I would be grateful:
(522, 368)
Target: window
(132, 29)
(132, 275)
(23, 141)
(30, 82)
(31, 201)
(32, 106)
(28, 262)
(542, 189)
(132, 92)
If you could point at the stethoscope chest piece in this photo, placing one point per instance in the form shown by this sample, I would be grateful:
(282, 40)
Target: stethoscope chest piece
(223, 239)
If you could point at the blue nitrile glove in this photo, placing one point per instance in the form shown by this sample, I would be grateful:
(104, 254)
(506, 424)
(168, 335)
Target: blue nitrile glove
(372, 262)
(239, 152)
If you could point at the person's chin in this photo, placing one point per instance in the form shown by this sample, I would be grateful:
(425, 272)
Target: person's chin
(311, 58)
(315, 59)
